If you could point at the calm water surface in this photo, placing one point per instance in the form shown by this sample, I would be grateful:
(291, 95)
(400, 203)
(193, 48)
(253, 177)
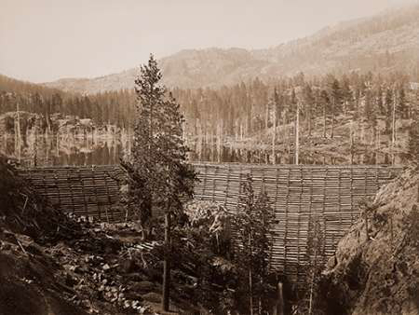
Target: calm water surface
(53, 150)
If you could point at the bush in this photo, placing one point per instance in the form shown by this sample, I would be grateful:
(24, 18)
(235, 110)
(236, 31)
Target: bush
(23, 211)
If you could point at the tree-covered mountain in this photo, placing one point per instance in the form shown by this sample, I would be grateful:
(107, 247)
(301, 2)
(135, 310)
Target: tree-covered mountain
(387, 42)
(105, 108)
(11, 85)
(350, 118)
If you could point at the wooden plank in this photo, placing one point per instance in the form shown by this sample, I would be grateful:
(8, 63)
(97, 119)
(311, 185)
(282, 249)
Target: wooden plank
(300, 194)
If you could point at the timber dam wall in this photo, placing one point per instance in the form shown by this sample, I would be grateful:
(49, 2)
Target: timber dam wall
(301, 195)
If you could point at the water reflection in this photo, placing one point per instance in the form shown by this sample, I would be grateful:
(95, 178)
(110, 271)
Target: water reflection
(35, 150)
(57, 150)
(263, 154)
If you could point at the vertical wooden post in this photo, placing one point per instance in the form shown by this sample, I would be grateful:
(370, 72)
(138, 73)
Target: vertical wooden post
(214, 184)
(166, 263)
(227, 186)
(71, 190)
(326, 177)
(204, 186)
(287, 197)
(58, 189)
(108, 206)
(93, 174)
(310, 205)
(299, 225)
(81, 180)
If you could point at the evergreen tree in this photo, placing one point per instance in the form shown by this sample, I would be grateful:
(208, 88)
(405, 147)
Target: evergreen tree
(159, 174)
(252, 225)
(336, 101)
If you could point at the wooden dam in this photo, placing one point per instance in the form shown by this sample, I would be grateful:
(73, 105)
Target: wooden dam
(300, 195)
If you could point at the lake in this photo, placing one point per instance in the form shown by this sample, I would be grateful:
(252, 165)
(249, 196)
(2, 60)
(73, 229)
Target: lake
(69, 150)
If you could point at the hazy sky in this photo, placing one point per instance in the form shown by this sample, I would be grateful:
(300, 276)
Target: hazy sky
(43, 40)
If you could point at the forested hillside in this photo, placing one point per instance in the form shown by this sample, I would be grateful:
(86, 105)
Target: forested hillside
(383, 44)
(354, 86)
(109, 107)
(339, 116)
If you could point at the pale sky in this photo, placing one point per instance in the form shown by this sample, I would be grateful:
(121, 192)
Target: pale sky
(44, 40)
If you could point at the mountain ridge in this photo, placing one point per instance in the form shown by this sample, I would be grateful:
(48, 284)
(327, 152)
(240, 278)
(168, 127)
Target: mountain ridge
(384, 42)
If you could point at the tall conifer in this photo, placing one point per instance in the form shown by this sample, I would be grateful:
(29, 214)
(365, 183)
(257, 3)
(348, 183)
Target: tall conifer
(159, 174)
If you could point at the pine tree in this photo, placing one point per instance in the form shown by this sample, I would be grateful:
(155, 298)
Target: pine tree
(336, 101)
(253, 225)
(159, 174)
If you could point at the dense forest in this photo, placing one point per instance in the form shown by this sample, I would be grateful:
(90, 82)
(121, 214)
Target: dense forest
(110, 107)
(362, 108)
(245, 108)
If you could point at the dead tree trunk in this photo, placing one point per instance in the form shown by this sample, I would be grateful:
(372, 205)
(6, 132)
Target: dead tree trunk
(274, 138)
(297, 135)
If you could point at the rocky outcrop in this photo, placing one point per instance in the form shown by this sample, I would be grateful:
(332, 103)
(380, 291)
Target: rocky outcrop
(376, 266)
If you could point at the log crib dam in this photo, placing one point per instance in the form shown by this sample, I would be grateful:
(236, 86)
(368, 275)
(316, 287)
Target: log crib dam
(300, 195)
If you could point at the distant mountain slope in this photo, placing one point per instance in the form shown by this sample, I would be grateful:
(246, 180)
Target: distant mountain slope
(10, 85)
(385, 42)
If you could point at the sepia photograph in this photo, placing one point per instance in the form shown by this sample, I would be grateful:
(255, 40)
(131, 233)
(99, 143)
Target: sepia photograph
(197, 157)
